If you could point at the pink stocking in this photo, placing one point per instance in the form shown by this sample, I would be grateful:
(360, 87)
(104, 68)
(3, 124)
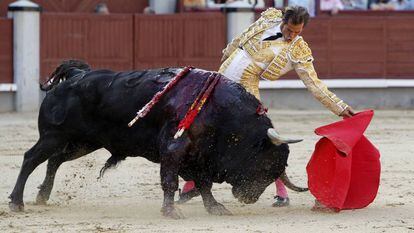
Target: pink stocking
(281, 189)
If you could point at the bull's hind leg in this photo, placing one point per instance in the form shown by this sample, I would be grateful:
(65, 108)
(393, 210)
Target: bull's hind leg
(39, 153)
(54, 163)
(47, 185)
(210, 203)
(172, 153)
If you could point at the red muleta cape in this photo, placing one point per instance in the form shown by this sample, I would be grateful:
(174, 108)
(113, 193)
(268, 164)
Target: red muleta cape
(344, 171)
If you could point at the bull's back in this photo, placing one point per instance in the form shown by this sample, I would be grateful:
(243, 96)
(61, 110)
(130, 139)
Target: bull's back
(102, 93)
(98, 106)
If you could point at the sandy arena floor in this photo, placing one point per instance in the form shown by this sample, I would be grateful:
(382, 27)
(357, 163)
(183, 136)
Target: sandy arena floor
(129, 198)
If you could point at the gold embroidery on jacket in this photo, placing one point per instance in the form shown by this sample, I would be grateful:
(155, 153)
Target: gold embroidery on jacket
(271, 14)
(250, 39)
(269, 18)
(250, 79)
(299, 51)
(252, 46)
(265, 55)
(273, 71)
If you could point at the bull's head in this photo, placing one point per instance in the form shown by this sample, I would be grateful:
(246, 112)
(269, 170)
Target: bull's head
(261, 169)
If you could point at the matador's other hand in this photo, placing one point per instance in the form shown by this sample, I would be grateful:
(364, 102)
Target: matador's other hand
(348, 112)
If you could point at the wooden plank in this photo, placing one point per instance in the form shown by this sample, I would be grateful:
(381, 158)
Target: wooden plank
(351, 29)
(359, 44)
(316, 30)
(357, 69)
(401, 56)
(356, 55)
(152, 64)
(158, 36)
(179, 40)
(112, 41)
(400, 35)
(62, 37)
(357, 47)
(320, 54)
(400, 70)
(204, 35)
(104, 41)
(6, 51)
(360, 35)
(202, 63)
(401, 46)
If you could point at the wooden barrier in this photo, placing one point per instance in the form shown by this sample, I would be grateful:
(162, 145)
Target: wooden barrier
(362, 47)
(179, 40)
(357, 46)
(103, 41)
(6, 51)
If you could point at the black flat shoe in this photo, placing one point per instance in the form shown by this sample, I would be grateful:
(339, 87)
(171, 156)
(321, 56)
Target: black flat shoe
(281, 201)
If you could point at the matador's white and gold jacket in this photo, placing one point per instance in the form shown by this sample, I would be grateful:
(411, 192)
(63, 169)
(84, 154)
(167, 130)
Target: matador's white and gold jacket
(249, 57)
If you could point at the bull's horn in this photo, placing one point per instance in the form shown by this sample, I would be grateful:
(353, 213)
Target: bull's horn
(277, 139)
(290, 185)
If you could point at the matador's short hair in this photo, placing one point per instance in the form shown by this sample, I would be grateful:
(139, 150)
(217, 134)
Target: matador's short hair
(296, 15)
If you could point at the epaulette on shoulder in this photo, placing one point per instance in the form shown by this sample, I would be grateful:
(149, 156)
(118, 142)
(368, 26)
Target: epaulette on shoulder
(299, 51)
(272, 14)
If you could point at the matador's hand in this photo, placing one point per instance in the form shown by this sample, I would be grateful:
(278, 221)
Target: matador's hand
(348, 112)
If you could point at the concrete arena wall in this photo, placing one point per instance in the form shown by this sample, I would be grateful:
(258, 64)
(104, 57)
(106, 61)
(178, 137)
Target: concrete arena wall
(7, 101)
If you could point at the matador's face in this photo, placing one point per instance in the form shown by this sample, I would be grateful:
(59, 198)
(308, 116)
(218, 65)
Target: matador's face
(290, 30)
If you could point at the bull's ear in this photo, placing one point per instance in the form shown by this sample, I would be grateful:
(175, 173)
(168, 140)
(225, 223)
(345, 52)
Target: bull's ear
(278, 140)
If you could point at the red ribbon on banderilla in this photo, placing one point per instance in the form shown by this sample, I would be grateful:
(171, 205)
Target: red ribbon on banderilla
(195, 108)
(198, 103)
(145, 110)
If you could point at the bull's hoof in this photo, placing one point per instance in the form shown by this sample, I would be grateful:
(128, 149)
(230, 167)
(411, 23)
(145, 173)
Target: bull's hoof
(171, 212)
(218, 209)
(16, 207)
(41, 200)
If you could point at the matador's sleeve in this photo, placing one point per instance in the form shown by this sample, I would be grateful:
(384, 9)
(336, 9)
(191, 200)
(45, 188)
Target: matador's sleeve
(271, 15)
(301, 57)
(233, 45)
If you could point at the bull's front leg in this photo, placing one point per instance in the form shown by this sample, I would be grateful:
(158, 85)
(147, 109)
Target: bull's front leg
(210, 203)
(169, 183)
(171, 157)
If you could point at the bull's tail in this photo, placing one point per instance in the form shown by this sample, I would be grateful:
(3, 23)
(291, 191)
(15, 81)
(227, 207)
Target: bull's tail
(111, 162)
(63, 72)
(290, 185)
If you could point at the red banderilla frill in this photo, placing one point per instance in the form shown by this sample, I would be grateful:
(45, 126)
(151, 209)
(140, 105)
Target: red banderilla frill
(144, 111)
(198, 103)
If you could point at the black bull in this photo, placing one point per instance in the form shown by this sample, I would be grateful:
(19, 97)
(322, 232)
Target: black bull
(87, 110)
